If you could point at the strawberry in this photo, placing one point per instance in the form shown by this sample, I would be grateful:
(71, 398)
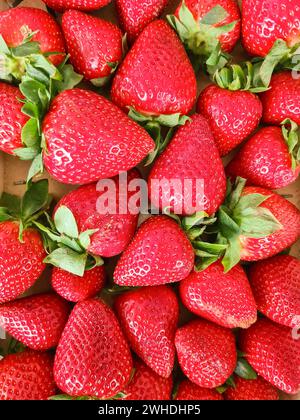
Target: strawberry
(92, 357)
(159, 253)
(281, 100)
(187, 390)
(193, 143)
(275, 284)
(94, 45)
(36, 321)
(28, 20)
(149, 317)
(274, 353)
(147, 385)
(213, 353)
(61, 5)
(269, 159)
(135, 15)
(232, 115)
(223, 298)
(12, 119)
(75, 288)
(83, 127)
(156, 78)
(255, 389)
(263, 22)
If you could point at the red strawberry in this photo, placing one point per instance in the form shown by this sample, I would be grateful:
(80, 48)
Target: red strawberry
(135, 15)
(156, 76)
(254, 389)
(281, 101)
(92, 358)
(149, 318)
(75, 288)
(232, 115)
(36, 321)
(26, 20)
(27, 376)
(274, 354)
(276, 286)
(263, 22)
(88, 138)
(12, 119)
(147, 385)
(191, 157)
(94, 45)
(223, 298)
(213, 353)
(187, 390)
(160, 253)
(60, 5)
(267, 160)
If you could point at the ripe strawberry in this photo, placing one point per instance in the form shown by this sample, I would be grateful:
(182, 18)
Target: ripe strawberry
(60, 5)
(213, 353)
(135, 15)
(193, 143)
(147, 385)
(12, 119)
(159, 253)
(187, 390)
(83, 127)
(268, 159)
(27, 376)
(255, 389)
(273, 352)
(281, 101)
(232, 115)
(26, 20)
(36, 321)
(94, 45)
(156, 76)
(263, 22)
(223, 298)
(276, 286)
(92, 357)
(149, 317)
(75, 288)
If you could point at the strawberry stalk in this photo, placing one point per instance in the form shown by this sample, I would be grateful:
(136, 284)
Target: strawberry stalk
(290, 132)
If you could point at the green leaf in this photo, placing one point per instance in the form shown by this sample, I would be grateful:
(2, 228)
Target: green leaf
(30, 133)
(26, 49)
(232, 254)
(189, 222)
(172, 120)
(5, 214)
(228, 227)
(61, 397)
(65, 222)
(12, 203)
(35, 198)
(244, 370)
(101, 81)
(30, 109)
(30, 89)
(277, 53)
(230, 382)
(39, 61)
(249, 201)
(69, 80)
(259, 223)
(27, 153)
(37, 167)
(53, 236)
(36, 74)
(216, 15)
(93, 261)
(68, 260)
(3, 46)
(85, 237)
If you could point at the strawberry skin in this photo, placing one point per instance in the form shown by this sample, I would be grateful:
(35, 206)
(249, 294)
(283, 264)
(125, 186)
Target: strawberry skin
(21, 263)
(274, 354)
(187, 390)
(265, 160)
(115, 230)
(75, 288)
(276, 286)
(193, 143)
(92, 43)
(27, 376)
(159, 253)
(223, 298)
(281, 101)
(156, 76)
(25, 20)
(147, 385)
(232, 115)
(92, 358)
(135, 15)
(36, 321)
(88, 138)
(213, 353)
(12, 119)
(60, 5)
(149, 318)
(253, 390)
(263, 22)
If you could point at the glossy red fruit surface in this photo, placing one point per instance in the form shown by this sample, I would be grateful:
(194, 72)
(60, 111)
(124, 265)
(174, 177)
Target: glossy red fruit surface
(253, 390)
(187, 390)
(76, 4)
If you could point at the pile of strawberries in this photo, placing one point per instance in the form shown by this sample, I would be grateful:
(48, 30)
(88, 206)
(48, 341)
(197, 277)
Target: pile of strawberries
(203, 303)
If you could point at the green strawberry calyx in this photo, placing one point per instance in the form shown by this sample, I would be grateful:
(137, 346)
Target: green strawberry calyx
(65, 397)
(290, 132)
(67, 247)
